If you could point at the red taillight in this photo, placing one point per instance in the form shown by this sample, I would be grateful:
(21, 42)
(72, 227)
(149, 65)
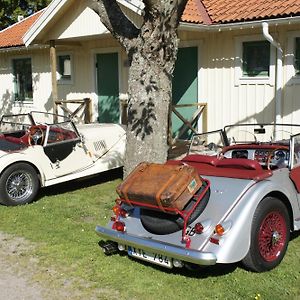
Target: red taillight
(123, 213)
(214, 241)
(119, 226)
(198, 228)
(119, 211)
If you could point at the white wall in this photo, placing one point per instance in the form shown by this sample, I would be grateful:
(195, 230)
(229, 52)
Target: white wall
(230, 101)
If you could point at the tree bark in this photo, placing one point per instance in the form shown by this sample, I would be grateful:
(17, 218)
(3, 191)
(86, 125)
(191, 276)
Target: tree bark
(152, 51)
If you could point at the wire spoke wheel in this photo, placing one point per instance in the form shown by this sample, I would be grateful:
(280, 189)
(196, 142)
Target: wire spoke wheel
(272, 236)
(19, 186)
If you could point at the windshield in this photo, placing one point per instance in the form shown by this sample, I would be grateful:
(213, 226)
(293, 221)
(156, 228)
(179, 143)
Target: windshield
(212, 143)
(260, 133)
(11, 123)
(209, 143)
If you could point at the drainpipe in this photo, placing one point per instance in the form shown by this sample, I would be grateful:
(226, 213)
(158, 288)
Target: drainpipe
(278, 83)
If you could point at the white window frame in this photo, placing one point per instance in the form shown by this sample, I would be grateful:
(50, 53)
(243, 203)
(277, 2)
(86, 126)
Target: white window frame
(25, 101)
(238, 68)
(60, 79)
(292, 77)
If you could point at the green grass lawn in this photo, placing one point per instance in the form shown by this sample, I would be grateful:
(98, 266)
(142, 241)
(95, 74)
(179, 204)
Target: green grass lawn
(62, 223)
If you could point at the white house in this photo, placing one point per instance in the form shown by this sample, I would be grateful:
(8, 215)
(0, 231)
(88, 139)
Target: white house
(239, 58)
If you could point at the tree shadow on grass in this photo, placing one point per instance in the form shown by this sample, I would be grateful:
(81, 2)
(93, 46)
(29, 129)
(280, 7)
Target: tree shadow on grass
(294, 235)
(80, 183)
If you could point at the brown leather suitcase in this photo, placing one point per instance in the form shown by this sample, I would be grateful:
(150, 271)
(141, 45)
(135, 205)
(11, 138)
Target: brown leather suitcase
(164, 186)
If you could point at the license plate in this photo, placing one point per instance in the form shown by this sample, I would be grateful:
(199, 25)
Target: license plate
(154, 258)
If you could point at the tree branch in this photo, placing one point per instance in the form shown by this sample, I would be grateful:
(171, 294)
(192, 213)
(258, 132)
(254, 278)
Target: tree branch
(115, 21)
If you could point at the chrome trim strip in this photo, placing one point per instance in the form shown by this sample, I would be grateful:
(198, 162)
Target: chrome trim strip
(188, 255)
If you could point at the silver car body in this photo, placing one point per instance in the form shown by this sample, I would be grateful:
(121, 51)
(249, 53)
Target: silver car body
(232, 203)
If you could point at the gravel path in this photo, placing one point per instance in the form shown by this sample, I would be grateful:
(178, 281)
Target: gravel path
(18, 271)
(23, 278)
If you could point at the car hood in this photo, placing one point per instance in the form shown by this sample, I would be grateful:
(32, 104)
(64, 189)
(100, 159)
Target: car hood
(100, 138)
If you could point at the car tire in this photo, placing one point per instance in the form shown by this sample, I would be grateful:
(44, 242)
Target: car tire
(19, 184)
(158, 222)
(270, 234)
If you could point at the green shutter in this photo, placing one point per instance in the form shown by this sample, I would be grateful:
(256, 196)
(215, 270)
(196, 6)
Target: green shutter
(185, 87)
(297, 56)
(108, 88)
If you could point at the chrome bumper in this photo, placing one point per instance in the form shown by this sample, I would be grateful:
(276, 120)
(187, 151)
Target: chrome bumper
(188, 255)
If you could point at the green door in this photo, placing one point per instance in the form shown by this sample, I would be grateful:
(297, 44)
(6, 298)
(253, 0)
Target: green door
(185, 89)
(108, 88)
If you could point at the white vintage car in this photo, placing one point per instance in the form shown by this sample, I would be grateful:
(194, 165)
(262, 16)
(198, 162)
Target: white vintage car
(41, 149)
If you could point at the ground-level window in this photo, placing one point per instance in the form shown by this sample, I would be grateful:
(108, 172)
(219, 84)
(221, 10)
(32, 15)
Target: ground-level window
(297, 56)
(22, 72)
(256, 59)
(64, 68)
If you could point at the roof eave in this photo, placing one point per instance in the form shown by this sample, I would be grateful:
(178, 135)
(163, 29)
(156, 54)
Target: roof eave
(21, 47)
(238, 25)
(136, 6)
(54, 7)
(43, 20)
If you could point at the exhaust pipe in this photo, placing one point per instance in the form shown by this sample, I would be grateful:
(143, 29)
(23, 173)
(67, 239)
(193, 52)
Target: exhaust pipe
(109, 247)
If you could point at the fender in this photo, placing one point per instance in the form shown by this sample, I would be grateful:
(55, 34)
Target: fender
(234, 245)
(33, 156)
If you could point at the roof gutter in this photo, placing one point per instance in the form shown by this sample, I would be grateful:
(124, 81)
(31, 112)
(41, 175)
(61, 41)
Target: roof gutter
(238, 25)
(22, 47)
(279, 71)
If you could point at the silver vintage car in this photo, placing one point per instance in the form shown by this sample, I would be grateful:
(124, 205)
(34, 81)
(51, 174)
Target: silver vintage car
(244, 211)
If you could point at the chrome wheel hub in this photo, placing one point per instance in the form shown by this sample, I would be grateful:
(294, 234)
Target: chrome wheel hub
(19, 186)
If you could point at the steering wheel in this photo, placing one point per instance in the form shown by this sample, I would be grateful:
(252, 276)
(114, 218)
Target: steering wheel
(271, 154)
(36, 135)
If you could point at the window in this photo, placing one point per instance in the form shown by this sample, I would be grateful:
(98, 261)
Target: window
(293, 58)
(22, 73)
(64, 66)
(256, 58)
(297, 56)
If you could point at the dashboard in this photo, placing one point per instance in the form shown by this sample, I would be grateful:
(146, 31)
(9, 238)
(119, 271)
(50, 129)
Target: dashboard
(276, 155)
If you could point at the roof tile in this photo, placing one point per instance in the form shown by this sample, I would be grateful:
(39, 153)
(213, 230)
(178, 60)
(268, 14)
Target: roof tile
(226, 11)
(12, 36)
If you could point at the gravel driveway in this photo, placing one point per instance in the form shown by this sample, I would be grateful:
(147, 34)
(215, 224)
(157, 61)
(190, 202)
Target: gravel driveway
(19, 272)
(22, 277)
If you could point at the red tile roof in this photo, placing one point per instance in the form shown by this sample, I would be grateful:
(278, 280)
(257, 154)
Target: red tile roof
(12, 36)
(230, 11)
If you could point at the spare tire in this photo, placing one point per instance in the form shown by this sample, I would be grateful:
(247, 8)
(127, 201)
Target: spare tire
(158, 222)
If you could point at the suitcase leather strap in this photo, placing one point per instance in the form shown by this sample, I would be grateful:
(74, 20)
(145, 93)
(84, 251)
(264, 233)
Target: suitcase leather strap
(162, 189)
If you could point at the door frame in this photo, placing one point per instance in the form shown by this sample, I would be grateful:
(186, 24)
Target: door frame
(199, 45)
(95, 74)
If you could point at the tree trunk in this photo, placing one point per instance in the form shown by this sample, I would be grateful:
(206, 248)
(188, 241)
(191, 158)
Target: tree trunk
(152, 51)
(148, 109)
(150, 88)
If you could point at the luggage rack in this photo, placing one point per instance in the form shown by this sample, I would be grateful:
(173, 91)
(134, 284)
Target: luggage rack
(185, 214)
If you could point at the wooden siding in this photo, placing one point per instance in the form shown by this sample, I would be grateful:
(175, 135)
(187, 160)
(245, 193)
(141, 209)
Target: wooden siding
(231, 103)
(228, 102)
